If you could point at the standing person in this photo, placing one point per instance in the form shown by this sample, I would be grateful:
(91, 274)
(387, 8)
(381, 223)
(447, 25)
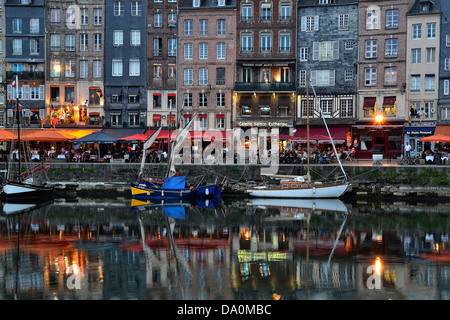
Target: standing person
(408, 150)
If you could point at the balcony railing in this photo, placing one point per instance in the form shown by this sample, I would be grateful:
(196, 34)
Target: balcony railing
(264, 86)
(26, 75)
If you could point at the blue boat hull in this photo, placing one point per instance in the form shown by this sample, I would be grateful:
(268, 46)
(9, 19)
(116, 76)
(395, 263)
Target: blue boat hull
(146, 190)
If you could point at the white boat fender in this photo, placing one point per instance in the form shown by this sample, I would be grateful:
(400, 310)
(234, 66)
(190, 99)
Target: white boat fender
(162, 193)
(207, 191)
(314, 190)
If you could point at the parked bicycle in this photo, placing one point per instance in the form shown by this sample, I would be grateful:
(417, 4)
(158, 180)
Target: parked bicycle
(410, 161)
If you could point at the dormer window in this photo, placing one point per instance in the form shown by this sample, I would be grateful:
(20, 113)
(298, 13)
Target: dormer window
(425, 5)
(221, 3)
(196, 3)
(25, 1)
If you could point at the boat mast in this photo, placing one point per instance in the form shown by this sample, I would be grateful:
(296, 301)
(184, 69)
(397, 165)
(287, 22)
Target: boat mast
(18, 122)
(307, 130)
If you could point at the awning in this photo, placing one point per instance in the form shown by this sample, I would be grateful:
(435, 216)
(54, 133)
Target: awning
(138, 137)
(100, 137)
(220, 116)
(156, 117)
(369, 102)
(5, 135)
(445, 130)
(320, 134)
(389, 101)
(77, 133)
(436, 138)
(52, 135)
(202, 116)
(123, 132)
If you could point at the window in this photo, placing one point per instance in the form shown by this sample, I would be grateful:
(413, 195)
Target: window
(70, 68)
(135, 38)
(221, 49)
(348, 75)
(188, 27)
(372, 19)
(187, 100)
(83, 42)
(417, 31)
(431, 30)
(266, 11)
(118, 8)
(415, 83)
(346, 107)
(136, 8)
(17, 46)
(84, 69)
(55, 42)
(203, 51)
(116, 118)
(196, 3)
(265, 75)
(343, 21)
(285, 12)
(117, 68)
(370, 76)
(172, 20)
(447, 64)
(84, 20)
(246, 75)
(34, 46)
(203, 100)
(172, 71)
(221, 27)
(445, 112)
(431, 55)
(326, 50)
(304, 54)
(34, 25)
(220, 100)
(371, 49)
(416, 56)
(203, 121)
(133, 117)
(447, 40)
(446, 87)
(157, 20)
(134, 68)
(429, 109)
(266, 42)
(188, 80)
(349, 45)
(391, 47)
(157, 71)
(188, 51)
(220, 76)
(391, 18)
(203, 27)
(302, 78)
(285, 42)
(220, 122)
(172, 47)
(17, 25)
(310, 23)
(97, 69)
(246, 12)
(70, 42)
(390, 76)
(246, 42)
(429, 82)
(35, 93)
(327, 106)
(97, 41)
(118, 38)
(323, 77)
(55, 16)
(71, 18)
(55, 68)
(98, 18)
(307, 107)
(203, 77)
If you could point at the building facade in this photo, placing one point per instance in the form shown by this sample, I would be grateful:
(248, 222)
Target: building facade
(207, 58)
(2, 66)
(422, 72)
(25, 57)
(443, 107)
(125, 64)
(265, 65)
(327, 56)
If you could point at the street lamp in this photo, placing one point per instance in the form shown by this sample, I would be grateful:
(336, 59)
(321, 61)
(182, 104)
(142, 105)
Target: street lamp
(378, 118)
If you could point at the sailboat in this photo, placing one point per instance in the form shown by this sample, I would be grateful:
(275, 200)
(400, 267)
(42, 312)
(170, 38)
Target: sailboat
(291, 186)
(22, 189)
(173, 186)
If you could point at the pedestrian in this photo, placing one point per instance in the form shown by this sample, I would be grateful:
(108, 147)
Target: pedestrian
(408, 150)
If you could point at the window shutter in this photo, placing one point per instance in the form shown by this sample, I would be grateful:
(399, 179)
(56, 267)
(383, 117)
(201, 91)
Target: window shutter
(26, 92)
(9, 92)
(332, 78)
(316, 23)
(41, 92)
(303, 28)
(313, 78)
(335, 50)
(316, 48)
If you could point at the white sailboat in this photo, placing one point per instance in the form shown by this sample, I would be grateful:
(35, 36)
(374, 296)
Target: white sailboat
(303, 186)
(22, 188)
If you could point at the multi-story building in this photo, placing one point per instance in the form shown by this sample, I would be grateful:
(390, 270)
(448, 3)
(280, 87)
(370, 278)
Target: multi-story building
(2, 66)
(25, 57)
(443, 107)
(206, 63)
(162, 61)
(265, 64)
(382, 77)
(327, 56)
(125, 56)
(422, 72)
(74, 46)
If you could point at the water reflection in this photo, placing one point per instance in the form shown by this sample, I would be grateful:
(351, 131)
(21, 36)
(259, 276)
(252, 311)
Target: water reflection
(101, 249)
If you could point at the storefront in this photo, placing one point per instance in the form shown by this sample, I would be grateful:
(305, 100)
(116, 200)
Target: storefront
(412, 135)
(386, 139)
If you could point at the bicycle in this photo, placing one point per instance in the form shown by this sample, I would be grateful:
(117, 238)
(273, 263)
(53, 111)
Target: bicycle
(410, 161)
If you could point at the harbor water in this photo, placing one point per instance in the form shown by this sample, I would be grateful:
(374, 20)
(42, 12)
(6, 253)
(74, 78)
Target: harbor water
(238, 249)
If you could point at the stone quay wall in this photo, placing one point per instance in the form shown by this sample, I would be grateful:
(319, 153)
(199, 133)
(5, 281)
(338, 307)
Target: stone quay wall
(114, 178)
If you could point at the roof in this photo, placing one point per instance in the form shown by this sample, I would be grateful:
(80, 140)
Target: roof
(435, 7)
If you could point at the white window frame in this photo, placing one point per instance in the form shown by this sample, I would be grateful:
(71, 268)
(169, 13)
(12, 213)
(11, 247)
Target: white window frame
(117, 68)
(134, 68)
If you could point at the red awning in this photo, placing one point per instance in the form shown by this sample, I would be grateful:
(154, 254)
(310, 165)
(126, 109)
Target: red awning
(369, 102)
(389, 101)
(202, 115)
(156, 117)
(220, 116)
(320, 134)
